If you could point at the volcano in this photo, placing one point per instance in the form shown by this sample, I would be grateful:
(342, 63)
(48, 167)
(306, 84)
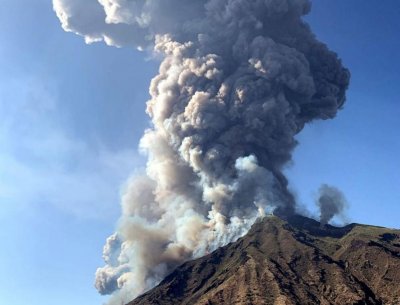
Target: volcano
(288, 262)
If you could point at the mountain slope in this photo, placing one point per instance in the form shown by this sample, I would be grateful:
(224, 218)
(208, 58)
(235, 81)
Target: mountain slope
(290, 262)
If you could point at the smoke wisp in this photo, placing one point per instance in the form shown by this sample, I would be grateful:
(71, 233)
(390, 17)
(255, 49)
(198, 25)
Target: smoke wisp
(331, 202)
(238, 80)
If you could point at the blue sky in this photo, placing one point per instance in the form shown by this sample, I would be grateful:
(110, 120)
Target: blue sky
(71, 116)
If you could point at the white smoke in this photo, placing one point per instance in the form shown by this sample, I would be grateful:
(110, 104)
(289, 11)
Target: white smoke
(125, 22)
(238, 81)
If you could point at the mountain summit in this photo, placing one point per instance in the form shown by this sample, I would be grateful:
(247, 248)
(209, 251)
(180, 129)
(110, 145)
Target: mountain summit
(290, 262)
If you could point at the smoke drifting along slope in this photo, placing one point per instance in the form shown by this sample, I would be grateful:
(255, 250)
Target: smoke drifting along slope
(238, 81)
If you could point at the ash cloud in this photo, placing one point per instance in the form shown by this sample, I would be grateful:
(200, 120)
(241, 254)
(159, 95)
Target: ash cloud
(125, 22)
(331, 202)
(238, 80)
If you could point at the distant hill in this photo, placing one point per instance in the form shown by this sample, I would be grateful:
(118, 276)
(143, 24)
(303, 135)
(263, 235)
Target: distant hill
(290, 262)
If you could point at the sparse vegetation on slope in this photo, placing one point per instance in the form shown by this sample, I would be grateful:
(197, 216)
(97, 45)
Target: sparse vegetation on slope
(290, 262)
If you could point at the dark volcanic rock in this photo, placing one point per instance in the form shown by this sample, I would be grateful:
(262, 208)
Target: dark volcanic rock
(290, 262)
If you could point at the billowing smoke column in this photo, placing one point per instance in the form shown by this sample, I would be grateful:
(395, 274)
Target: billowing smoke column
(331, 202)
(239, 79)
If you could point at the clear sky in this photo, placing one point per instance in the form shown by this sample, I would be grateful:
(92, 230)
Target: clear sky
(71, 116)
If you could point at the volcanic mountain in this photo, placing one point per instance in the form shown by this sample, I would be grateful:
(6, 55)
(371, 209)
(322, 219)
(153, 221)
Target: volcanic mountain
(296, 261)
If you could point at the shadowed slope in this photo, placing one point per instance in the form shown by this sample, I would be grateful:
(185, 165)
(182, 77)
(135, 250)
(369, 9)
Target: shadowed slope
(291, 262)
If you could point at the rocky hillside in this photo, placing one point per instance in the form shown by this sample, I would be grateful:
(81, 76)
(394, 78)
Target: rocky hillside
(290, 262)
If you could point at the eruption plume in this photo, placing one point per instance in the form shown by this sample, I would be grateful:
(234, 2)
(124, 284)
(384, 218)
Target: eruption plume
(239, 79)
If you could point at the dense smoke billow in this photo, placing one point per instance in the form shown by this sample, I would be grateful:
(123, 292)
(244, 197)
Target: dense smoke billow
(331, 202)
(239, 79)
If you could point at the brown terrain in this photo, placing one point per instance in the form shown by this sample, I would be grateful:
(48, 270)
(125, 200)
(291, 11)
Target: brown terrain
(290, 262)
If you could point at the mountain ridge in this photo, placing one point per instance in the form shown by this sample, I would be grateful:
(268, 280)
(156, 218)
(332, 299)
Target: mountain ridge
(292, 261)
